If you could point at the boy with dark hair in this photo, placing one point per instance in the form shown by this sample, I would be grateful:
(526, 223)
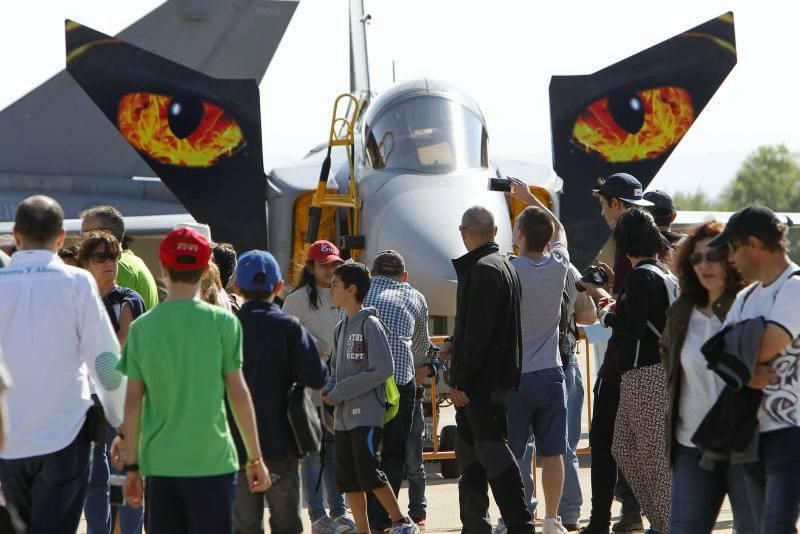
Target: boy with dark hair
(183, 357)
(278, 352)
(361, 363)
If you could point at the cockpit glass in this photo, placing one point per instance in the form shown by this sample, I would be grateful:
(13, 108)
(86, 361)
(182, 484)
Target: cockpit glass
(427, 134)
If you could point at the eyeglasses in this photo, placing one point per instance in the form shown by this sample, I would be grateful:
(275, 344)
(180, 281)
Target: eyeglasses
(102, 257)
(712, 256)
(461, 227)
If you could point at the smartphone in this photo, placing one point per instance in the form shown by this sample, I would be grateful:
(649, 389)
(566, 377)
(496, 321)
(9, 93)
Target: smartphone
(116, 483)
(500, 184)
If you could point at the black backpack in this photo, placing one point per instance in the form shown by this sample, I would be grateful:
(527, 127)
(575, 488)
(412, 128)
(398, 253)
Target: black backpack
(301, 413)
(567, 330)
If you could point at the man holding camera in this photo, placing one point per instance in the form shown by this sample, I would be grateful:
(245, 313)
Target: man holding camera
(486, 361)
(405, 312)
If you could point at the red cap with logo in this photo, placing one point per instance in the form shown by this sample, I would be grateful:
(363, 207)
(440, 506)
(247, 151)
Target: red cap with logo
(184, 249)
(324, 252)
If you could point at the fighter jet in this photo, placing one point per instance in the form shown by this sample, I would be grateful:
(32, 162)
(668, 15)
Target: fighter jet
(400, 168)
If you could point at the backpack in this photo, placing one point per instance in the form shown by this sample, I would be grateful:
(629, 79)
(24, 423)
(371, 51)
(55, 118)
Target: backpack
(673, 291)
(670, 284)
(567, 330)
(391, 393)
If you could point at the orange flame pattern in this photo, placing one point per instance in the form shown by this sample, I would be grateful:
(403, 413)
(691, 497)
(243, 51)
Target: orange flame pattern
(668, 114)
(142, 119)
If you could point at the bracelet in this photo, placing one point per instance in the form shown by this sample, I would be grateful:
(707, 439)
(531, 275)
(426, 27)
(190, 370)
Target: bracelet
(254, 463)
(131, 468)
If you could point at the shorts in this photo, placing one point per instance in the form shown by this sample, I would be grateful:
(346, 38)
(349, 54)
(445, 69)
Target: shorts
(539, 408)
(358, 458)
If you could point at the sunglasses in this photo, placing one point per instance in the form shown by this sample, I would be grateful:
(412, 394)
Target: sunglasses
(102, 257)
(712, 256)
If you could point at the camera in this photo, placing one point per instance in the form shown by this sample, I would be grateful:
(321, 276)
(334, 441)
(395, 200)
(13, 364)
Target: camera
(594, 275)
(435, 364)
(500, 184)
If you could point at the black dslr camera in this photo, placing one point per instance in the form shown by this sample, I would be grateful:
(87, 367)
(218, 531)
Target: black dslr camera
(595, 276)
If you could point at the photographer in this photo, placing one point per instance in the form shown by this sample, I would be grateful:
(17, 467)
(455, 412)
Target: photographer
(486, 361)
(539, 408)
(637, 319)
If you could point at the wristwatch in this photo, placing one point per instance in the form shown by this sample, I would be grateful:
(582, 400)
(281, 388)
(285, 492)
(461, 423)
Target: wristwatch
(131, 468)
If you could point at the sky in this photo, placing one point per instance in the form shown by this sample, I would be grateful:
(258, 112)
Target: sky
(501, 52)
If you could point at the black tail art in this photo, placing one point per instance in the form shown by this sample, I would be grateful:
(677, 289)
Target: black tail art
(629, 117)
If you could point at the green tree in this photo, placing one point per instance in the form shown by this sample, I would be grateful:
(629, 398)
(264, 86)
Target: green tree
(770, 176)
(697, 201)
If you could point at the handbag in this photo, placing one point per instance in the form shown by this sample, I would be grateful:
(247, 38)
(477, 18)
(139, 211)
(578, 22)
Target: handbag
(303, 420)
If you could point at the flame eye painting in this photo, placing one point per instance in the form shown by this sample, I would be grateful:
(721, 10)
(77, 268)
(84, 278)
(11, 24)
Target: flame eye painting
(635, 126)
(184, 132)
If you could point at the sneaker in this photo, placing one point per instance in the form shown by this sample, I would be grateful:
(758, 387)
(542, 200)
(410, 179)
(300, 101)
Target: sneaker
(346, 521)
(593, 529)
(420, 523)
(552, 525)
(408, 527)
(628, 525)
(326, 525)
(500, 528)
(571, 527)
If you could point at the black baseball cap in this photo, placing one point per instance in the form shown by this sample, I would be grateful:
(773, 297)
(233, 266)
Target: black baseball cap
(625, 187)
(662, 203)
(388, 263)
(756, 221)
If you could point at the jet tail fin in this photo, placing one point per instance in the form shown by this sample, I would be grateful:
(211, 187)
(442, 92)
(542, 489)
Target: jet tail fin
(629, 117)
(201, 135)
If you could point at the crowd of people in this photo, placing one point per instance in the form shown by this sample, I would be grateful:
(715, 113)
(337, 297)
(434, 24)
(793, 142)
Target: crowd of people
(161, 401)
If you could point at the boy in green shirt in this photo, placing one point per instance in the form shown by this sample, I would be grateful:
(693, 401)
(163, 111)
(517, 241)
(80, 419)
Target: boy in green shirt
(181, 358)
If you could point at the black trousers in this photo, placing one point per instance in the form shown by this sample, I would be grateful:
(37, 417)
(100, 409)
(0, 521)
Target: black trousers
(601, 436)
(47, 492)
(185, 505)
(485, 459)
(393, 453)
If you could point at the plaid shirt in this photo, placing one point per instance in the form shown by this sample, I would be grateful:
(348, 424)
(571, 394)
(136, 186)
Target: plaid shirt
(405, 312)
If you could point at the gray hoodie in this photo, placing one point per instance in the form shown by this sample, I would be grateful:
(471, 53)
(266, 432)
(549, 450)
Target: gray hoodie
(359, 370)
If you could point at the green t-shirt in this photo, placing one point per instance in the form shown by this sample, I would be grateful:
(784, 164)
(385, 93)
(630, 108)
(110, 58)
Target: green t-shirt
(134, 274)
(182, 350)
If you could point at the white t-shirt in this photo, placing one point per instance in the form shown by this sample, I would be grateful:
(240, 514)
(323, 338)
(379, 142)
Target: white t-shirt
(777, 303)
(700, 388)
(54, 329)
(540, 308)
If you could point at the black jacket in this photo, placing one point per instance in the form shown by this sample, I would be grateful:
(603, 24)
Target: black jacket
(643, 298)
(278, 352)
(488, 335)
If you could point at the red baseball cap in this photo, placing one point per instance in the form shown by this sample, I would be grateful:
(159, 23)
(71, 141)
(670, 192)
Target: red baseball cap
(184, 249)
(324, 252)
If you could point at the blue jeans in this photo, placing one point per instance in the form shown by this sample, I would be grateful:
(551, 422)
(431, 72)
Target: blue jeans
(779, 479)
(183, 505)
(571, 497)
(697, 495)
(538, 410)
(312, 466)
(98, 512)
(415, 467)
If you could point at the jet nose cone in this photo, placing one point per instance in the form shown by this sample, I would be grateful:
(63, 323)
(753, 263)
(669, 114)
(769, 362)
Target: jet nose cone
(422, 223)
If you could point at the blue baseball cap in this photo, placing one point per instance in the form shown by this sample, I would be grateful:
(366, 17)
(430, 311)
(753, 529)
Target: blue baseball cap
(257, 270)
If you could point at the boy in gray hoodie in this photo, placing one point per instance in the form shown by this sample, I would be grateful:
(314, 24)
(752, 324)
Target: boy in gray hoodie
(361, 363)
